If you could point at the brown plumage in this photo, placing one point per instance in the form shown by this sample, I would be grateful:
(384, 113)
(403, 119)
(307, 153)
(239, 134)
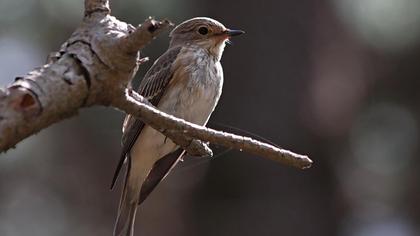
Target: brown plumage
(152, 88)
(186, 81)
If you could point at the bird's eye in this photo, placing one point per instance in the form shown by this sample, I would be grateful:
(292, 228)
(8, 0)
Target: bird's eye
(203, 30)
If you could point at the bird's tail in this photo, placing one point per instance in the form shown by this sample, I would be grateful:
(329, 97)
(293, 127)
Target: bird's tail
(124, 225)
(140, 180)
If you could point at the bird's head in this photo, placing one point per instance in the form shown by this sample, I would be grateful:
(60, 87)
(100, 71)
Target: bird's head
(203, 32)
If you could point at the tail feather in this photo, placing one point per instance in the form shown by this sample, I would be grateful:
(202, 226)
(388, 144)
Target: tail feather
(124, 225)
(125, 220)
(137, 186)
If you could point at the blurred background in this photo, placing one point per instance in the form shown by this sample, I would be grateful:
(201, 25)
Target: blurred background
(335, 79)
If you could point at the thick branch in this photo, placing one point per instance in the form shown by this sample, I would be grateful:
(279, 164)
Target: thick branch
(90, 69)
(45, 96)
(136, 105)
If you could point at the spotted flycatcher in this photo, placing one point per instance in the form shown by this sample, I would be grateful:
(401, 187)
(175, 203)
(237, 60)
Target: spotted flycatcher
(186, 81)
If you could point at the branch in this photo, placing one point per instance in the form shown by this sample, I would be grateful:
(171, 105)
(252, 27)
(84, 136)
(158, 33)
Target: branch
(138, 106)
(89, 69)
(43, 97)
(143, 34)
(95, 67)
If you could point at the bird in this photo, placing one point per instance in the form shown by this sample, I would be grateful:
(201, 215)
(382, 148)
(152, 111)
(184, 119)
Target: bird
(186, 81)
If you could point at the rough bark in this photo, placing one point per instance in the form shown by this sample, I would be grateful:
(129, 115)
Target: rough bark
(95, 67)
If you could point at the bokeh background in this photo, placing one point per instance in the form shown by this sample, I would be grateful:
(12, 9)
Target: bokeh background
(335, 79)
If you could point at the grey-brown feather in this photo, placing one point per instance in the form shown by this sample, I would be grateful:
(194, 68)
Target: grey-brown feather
(152, 88)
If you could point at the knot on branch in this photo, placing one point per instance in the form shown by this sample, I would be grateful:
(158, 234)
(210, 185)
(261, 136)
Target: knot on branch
(23, 97)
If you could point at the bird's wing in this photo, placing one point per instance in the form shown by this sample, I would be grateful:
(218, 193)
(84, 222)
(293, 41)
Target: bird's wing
(152, 87)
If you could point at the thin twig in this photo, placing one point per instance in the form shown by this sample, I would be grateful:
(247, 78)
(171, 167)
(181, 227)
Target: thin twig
(134, 104)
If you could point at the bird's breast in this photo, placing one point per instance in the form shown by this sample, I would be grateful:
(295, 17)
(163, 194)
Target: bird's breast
(196, 88)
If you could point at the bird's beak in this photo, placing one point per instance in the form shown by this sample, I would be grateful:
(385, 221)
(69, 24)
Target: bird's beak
(231, 33)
